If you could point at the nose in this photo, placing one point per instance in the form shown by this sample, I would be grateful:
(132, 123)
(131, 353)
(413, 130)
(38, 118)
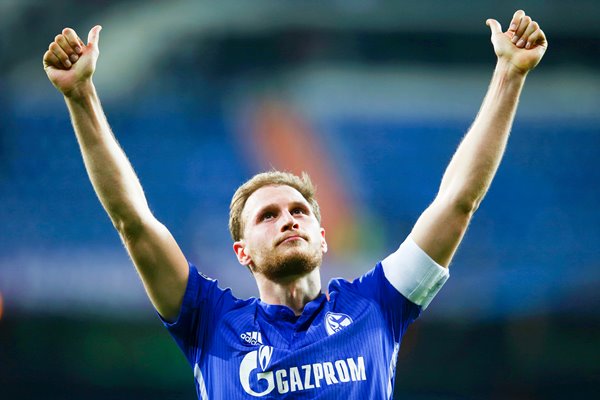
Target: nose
(288, 222)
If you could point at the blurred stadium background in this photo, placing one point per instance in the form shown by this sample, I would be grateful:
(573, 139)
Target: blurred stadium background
(371, 97)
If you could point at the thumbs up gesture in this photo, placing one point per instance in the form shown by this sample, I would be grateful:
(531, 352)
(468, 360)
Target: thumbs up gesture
(69, 63)
(523, 45)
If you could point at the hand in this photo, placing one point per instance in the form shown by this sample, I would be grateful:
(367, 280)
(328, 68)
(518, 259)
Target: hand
(523, 45)
(69, 63)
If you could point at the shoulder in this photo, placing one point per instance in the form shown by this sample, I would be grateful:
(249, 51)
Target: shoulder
(205, 292)
(372, 286)
(369, 280)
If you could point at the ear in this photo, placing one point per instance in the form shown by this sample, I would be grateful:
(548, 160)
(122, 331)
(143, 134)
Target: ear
(323, 241)
(241, 253)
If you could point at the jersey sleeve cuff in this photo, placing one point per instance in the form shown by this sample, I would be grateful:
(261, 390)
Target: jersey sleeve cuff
(414, 274)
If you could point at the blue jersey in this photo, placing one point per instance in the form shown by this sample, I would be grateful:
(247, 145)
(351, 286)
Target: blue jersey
(343, 345)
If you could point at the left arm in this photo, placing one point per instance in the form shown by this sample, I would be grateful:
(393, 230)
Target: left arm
(442, 226)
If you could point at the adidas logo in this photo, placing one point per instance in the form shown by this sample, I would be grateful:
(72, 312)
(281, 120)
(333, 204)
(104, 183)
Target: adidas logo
(252, 337)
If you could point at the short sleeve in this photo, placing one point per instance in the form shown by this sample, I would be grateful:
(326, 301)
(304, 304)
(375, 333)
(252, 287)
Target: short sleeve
(203, 302)
(414, 274)
(396, 309)
(403, 284)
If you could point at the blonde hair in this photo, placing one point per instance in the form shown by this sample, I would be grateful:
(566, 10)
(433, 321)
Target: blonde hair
(302, 184)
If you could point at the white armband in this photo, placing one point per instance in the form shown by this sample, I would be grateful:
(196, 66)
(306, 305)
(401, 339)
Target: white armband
(414, 274)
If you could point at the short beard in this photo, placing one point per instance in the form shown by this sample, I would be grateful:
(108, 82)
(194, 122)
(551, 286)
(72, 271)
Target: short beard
(287, 266)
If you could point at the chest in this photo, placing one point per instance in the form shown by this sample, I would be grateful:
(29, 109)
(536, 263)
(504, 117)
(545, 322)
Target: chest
(338, 346)
(334, 324)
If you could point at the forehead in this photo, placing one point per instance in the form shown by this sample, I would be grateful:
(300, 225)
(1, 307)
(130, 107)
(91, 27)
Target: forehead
(280, 195)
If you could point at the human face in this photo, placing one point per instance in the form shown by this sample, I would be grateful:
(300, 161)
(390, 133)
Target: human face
(282, 237)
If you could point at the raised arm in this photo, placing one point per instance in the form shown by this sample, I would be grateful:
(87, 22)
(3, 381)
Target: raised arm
(441, 227)
(70, 64)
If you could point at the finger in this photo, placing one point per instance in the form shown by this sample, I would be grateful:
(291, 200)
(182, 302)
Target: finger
(94, 35)
(537, 38)
(532, 27)
(525, 21)
(494, 25)
(73, 40)
(50, 60)
(60, 54)
(64, 44)
(516, 20)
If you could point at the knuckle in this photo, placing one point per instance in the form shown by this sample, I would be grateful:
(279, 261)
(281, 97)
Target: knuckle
(58, 37)
(67, 31)
(539, 36)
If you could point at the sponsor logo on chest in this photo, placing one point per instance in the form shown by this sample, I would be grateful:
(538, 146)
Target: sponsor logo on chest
(301, 377)
(296, 378)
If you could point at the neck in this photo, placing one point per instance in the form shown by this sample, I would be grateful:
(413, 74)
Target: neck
(294, 292)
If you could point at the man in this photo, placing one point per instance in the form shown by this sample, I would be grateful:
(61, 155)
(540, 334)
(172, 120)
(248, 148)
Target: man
(294, 341)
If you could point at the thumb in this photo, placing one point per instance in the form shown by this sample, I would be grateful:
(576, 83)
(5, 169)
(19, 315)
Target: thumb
(94, 35)
(494, 26)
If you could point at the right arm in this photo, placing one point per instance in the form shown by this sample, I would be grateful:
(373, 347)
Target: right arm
(70, 64)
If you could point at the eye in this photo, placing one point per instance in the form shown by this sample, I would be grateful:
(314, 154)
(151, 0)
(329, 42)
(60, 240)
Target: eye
(298, 211)
(267, 215)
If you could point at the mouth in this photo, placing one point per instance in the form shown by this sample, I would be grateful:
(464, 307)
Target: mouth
(291, 238)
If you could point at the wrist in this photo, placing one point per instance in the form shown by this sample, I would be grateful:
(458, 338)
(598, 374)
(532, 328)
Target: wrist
(80, 91)
(509, 71)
